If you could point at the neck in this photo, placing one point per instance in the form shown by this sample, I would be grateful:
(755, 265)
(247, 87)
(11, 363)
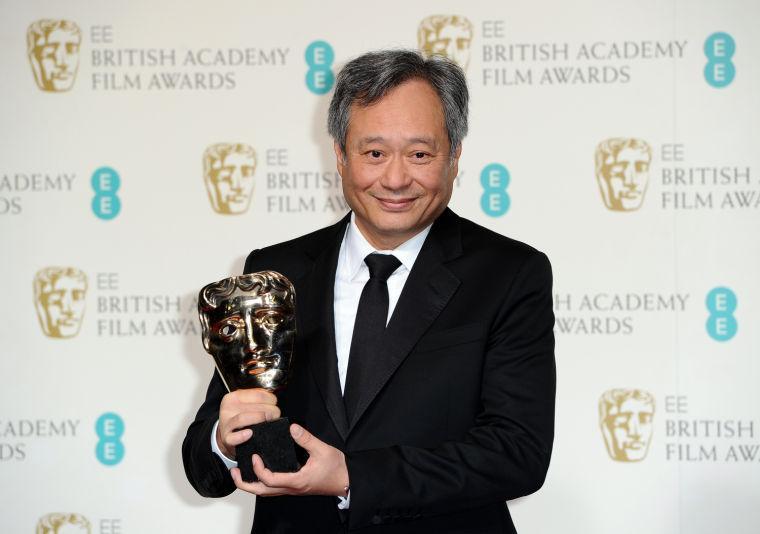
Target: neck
(385, 242)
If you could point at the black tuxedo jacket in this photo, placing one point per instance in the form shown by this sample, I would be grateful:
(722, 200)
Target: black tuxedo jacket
(460, 416)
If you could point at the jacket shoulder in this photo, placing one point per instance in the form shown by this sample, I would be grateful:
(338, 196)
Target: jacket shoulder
(290, 256)
(478, 239)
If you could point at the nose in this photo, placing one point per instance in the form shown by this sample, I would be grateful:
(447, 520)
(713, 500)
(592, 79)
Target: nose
(60, 56)
(66, 304)
(255, 338)
(628, 175)
(236, 179)
(634, 427)
(451, 48)
(396, 175)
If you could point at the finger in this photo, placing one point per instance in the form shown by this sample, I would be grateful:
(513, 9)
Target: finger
(254, 395)
(272, 411)
(290, 483)
(244, 419)
(257, 488)
(304, 438)
(236, 438)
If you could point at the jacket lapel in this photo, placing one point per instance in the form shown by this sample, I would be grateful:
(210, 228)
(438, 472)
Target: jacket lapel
(319, 324)
(428, 289)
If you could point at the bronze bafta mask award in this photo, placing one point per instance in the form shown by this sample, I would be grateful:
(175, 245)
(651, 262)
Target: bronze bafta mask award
(249, 327)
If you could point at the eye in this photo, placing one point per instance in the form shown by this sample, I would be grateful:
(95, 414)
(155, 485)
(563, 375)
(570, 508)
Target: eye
(228, 330)
(420, 157)
(272, 319)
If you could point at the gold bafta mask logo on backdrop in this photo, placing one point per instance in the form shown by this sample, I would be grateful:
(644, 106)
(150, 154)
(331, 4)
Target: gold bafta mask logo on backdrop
(446, 35)
(63, 524)
(59, 297)
(53, 49)
(625, 417)
(228, 170)
(622, 172)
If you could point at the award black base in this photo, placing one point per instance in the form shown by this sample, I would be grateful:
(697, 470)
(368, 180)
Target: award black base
(273, 443)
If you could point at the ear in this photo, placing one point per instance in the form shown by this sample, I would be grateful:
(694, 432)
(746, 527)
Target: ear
(455, 162)
(340, 158)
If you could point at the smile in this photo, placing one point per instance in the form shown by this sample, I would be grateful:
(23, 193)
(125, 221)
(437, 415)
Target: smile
(396, 204)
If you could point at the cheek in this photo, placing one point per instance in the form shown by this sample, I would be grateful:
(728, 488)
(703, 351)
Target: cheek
(361, 177)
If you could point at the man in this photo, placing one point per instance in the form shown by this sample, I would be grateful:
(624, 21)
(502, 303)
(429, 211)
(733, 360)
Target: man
(432, 423)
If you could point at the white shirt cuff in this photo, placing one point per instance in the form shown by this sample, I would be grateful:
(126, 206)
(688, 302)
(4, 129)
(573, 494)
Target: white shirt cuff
(215, 447)
(344, 502)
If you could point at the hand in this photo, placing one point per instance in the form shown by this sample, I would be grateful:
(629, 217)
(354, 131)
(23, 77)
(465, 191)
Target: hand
(325, 473)
(239, 409)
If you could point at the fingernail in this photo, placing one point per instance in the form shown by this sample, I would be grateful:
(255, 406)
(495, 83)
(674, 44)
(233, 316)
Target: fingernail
(296, 431)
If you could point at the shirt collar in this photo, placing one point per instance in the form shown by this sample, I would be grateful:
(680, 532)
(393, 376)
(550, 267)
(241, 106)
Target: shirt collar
(357, 248)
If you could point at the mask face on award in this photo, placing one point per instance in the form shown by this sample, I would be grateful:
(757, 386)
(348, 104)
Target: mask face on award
(625, 417)
(622, 172)
(249, 328)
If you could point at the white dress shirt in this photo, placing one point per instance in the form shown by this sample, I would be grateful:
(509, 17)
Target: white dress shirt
(350, 276)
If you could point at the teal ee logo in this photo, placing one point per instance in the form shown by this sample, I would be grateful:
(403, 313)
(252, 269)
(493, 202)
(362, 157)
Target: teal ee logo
(110, 428)
(105, 182)
(721, 323)
(719, 49)
(494, 178)
(319, 58)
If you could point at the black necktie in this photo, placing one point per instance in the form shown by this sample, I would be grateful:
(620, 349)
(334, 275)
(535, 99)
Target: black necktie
(371, 317)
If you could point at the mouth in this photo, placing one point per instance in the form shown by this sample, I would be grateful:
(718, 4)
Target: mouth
(260, 364)
(396, 204)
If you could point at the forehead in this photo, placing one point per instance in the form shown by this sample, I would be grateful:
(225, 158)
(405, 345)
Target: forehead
(412, 109)
(632, 405)
(236, 158)
(633, 154)
(242, 300)
(59, 35)
(452, 30)
(66, 283)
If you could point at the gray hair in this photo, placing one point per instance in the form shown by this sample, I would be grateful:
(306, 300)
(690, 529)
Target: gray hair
(369, 77)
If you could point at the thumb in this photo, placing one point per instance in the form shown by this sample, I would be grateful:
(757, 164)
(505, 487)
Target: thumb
(302, 436)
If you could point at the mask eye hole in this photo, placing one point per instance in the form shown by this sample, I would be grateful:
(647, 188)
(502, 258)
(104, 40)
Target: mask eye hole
(227, 330)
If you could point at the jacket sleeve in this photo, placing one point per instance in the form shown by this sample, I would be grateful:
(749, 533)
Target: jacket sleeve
(505, 454)
(204, 469)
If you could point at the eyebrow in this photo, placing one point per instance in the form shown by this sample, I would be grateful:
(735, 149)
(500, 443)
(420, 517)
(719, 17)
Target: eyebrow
(412, 140)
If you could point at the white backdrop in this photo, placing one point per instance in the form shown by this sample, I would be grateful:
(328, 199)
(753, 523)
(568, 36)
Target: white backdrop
(132, 94)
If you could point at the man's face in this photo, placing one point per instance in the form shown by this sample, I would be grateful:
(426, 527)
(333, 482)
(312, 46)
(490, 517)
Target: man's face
(627, 175)
(251, 338)
(62, 304)
(58, 60)
(231, 182)
(452, 41)
(397, 173)
(630, 428)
